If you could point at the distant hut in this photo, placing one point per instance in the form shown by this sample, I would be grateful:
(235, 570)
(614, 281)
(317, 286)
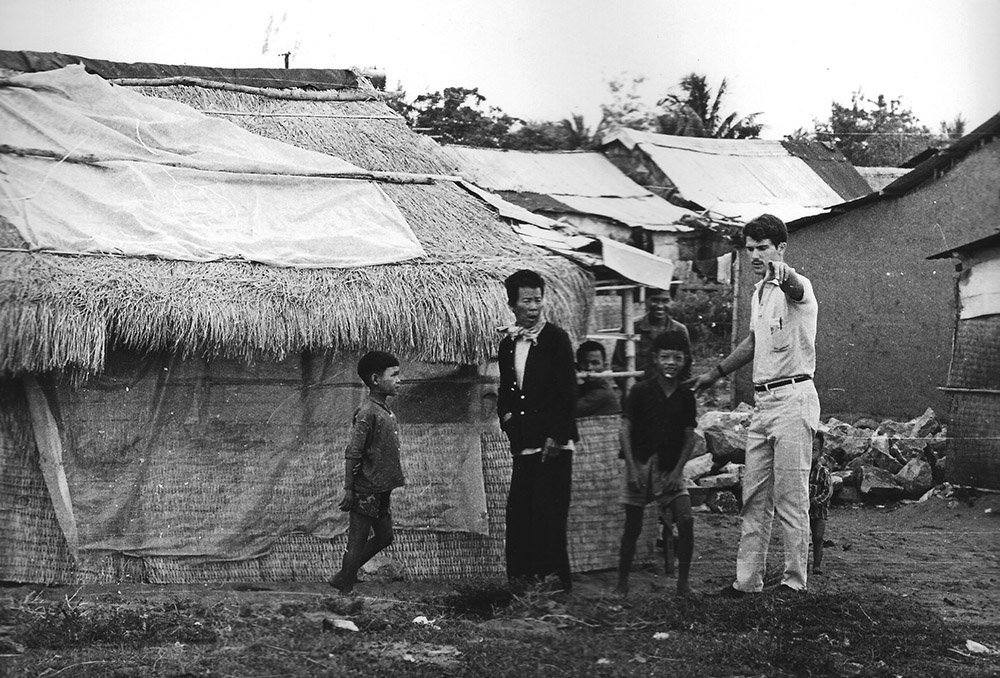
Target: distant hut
(974, 376)
(196, 412)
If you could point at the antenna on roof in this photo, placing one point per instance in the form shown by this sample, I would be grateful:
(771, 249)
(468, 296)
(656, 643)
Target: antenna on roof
(286, 55)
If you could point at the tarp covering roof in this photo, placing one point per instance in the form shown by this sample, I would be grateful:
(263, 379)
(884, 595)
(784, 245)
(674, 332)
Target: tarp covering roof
(95, 168)
(743, 178)
(579, 181)
(61, 313)
(276, 78)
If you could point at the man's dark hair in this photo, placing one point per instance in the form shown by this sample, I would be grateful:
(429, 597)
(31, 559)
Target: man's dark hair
(522, 279)
(375, 362)
(766, 227)
(671, 341)
(588, 346)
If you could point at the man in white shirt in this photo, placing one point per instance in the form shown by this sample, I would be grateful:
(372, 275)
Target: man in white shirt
(782, 347)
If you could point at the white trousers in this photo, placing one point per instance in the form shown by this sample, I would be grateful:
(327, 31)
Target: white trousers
(776, 480)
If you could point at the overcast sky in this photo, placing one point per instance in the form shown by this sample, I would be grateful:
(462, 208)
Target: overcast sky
(546, 59)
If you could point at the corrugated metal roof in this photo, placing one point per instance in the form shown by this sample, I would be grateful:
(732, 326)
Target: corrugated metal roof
(585, 173)
(743, 178)
(279, 78)
(583, 182)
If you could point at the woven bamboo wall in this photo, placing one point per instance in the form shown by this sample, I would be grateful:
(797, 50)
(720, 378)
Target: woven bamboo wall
(32, 547)
(974, 430)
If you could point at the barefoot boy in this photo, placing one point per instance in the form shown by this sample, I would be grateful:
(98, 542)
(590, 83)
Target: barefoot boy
(373, 469)
(657, 436)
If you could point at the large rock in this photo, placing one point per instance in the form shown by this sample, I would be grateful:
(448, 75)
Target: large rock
(876, 482)
(916, 477)
(700, 447)
(845, 445)
(726, 434)
(884, 459)
(924, 426)
(847, 495)
(698, 467)
(909, 448)
(720, 481)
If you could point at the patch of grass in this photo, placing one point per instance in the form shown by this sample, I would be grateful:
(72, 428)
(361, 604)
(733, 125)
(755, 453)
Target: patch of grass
(481, 598)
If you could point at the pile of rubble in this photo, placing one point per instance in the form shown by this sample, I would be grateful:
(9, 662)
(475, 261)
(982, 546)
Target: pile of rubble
(868, 460)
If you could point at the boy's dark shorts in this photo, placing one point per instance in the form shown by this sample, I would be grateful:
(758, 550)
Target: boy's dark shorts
(372, 505)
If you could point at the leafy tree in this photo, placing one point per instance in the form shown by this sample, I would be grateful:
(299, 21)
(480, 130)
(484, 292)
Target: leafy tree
(457, 115)
(874, 133)
(697, 111)
(627, 108)
(569, 134)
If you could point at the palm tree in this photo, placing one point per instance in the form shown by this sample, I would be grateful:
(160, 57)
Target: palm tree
(695, 111)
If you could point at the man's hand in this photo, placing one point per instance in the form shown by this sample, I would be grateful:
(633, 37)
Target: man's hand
(702, 381)
(348, 501)
(778, 271)
(551, 450)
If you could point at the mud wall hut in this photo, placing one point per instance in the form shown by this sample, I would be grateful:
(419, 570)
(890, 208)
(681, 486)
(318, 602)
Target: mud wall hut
(886, 320)
(974, 374)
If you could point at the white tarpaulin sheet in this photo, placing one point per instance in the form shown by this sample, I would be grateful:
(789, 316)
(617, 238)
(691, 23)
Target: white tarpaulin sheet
(141, 176)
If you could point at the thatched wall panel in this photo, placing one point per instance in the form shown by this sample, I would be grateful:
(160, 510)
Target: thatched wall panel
(594, 529)
(976, 358)
(974, 440)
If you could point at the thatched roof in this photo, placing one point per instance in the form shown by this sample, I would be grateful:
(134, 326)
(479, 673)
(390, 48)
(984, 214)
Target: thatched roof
(62, 312)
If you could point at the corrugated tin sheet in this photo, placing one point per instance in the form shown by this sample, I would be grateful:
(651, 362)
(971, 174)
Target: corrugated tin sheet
(742, 178)
(279, 78)
(582, 182)
(584, 173)
(831, 166)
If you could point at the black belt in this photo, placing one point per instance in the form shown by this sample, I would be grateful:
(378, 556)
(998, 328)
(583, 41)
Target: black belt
(778, 383)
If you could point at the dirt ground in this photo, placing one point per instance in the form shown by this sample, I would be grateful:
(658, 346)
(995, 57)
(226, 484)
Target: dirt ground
(942, 554)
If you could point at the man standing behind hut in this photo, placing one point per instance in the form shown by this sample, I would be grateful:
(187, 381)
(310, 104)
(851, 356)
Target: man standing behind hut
(536, 405)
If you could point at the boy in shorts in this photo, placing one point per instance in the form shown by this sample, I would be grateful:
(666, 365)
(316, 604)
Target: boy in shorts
(657, 436)
(373, 469)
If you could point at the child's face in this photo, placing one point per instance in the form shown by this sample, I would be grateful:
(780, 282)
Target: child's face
(591, 361)
(670, 363)
(527, 307)
(387, 383)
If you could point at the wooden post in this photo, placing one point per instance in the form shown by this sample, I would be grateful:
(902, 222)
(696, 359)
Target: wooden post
(628, 326)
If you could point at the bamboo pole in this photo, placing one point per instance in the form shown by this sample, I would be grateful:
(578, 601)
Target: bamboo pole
(364, 175)
(628, 324)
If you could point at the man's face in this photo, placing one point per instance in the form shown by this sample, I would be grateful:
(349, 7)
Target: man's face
(761, 252)
(670, 363)
(527, 307)
(658, 305)
(591, 361)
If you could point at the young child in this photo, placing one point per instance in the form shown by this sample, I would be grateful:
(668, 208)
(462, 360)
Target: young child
(820, 492)
(657, 436)
(595, 396)
(373, 469)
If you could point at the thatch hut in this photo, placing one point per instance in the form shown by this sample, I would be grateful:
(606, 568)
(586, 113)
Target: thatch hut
(175, 421)
(974, 375)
